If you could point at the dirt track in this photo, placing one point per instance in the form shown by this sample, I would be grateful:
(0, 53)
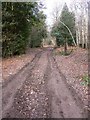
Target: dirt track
(39, 91)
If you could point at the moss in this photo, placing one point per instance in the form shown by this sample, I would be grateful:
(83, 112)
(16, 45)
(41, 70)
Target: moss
(85, 80)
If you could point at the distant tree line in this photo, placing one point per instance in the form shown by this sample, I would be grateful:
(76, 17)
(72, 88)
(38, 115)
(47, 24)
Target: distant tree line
(76, 19)
(23, 26)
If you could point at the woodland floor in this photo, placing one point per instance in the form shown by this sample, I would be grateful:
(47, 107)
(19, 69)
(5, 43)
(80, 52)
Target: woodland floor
(44, 84)
(11, 66)
(74, 67)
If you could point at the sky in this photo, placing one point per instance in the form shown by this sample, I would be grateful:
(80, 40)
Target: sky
(50, 5)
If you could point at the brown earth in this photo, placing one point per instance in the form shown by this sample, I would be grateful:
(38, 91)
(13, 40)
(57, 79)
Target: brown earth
(40, 90)
(12, 65)
(74, 67)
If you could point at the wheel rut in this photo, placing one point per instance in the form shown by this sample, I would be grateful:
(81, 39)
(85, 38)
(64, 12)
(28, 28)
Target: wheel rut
(31, 100)
(40, 91)
(63, 104)
(15, 83)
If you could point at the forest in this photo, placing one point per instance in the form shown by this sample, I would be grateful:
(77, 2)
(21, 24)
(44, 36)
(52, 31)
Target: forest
(23, 26)
(45, 63)
(71, 25)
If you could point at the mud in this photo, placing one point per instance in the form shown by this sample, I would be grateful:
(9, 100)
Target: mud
(40, 91)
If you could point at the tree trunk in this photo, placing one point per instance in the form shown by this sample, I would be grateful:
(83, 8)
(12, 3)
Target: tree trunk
(89, 37)
(65, 46)
(89, 56)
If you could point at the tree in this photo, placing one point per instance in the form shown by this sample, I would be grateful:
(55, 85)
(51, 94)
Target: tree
(89, 38)
(80, 8)
(39, 31)
(60, 30)
(56, 12)
(18, 20)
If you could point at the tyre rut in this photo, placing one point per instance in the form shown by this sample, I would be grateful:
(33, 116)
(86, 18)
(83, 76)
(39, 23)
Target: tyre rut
(31, 100)
(43, 93)
(77, 99)
(63, 104)
(9, 90)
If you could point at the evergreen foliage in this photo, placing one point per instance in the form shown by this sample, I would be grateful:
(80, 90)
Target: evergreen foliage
(18, 21)
(60, 31)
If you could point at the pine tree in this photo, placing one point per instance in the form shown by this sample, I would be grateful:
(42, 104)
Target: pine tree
(18, 20)
(68, 18)
(60, 30)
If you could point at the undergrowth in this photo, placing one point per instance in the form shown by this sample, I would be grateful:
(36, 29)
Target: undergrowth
(85, 80)
(62, 52)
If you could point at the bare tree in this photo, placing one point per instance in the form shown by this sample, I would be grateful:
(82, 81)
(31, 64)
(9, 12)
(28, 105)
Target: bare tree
(80, 8)
(56, 13)
(89, 24)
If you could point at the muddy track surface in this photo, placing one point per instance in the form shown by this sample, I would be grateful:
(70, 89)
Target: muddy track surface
(64, 101)
(13, 84)
(39, 91)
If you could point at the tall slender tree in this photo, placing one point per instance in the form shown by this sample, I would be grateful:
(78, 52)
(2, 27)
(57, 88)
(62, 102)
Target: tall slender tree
(63, 36)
